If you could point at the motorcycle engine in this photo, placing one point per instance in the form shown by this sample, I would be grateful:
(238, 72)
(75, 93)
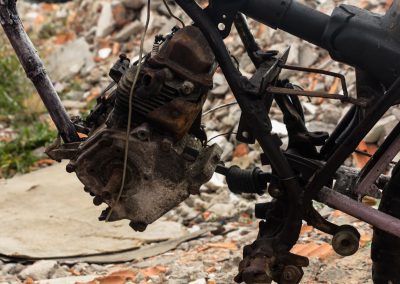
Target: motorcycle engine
(168, 158)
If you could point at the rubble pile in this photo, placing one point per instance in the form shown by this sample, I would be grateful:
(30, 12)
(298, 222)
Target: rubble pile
(81, 40)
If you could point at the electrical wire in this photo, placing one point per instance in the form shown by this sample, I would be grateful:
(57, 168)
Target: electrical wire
(219, 107)
(220, 135)
(128, 128)
(172, 14)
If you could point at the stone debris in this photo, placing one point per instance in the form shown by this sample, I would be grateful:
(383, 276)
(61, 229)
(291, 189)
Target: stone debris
(39, 270)
(81, 51)
(70, 59)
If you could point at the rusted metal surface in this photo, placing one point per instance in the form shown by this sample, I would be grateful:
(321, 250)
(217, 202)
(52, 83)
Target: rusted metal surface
(188, 54)
(360, 211)
(161, 173)
(173, 84)
(320, 71)
(378, 164)
(314, 94)
(166, 162)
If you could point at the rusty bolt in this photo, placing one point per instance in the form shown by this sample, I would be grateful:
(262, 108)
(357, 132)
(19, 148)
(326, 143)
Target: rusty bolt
(166, 145)
(216, 158)
(291, 274)
(70, 168)
(187, 88)
(143, 135)
(138, 227)
(97, 200)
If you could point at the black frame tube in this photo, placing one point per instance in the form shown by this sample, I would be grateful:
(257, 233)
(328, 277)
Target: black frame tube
(252, 112)
(289, 16)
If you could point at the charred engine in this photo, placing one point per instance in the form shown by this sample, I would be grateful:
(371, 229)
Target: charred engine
(168, 158)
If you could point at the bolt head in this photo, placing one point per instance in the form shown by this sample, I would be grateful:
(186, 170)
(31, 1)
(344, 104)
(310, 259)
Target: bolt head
(70, 168)
(187, 88)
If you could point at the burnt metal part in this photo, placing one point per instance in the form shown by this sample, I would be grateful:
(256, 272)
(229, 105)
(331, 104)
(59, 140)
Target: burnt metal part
(375, 112)
(187, 53)
(252, 48)
(342, 34)
(377, 165)
(253, 107)
(301, 141)
(360, 211)
(173, 85)
(119, 68)
(315, 94)
(254, 112)
(59, 152)
(286, 15)
(160, 175)
(348, 122)
(34, 69)
(319, 71)
(223, 13)
(166, 161)
(362, 102)
(346, 179)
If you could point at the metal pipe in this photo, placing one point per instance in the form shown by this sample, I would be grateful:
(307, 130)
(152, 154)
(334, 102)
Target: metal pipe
(360, 211)
(378, 163)
(289, 16)
(34, 69)
(250, 44)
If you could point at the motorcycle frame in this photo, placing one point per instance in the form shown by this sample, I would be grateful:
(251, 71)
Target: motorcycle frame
(375, 83)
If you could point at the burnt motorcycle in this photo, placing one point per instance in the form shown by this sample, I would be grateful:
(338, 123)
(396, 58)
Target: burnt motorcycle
(164, 156)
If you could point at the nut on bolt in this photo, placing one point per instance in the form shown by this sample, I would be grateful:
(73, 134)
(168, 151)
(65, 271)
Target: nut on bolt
(291, 274)
(70, 168)
(138, 227)
(187, 88)
(166, 145)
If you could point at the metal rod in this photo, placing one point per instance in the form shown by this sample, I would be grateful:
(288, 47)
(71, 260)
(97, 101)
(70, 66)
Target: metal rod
(320, 71)
(378, 163)
(360, 211)
(379, 108)
(34, 69)
(313, 94)
(250, 44)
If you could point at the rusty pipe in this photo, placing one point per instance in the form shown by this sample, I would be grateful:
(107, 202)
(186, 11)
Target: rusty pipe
(360, 211)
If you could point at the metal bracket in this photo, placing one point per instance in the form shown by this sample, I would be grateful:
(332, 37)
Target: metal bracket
(223, 13)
